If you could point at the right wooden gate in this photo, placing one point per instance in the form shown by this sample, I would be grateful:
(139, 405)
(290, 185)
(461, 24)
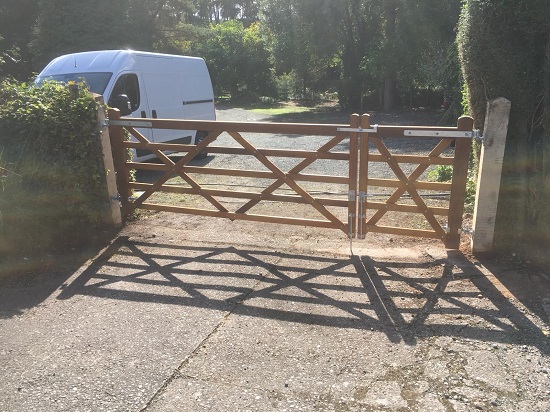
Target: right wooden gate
(405, 193)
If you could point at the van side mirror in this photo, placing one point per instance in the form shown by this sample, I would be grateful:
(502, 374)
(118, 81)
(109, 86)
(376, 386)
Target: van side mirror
(122, 103)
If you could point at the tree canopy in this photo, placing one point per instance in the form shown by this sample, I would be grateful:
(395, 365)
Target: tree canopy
(371, 52)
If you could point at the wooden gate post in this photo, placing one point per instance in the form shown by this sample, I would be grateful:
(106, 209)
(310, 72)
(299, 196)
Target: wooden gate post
(490, 170)
(458, 186)
(114, 217)
(119, 158)
(353, 216)
(363, 176)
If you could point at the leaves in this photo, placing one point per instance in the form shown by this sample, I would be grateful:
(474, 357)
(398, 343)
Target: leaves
(51, 166)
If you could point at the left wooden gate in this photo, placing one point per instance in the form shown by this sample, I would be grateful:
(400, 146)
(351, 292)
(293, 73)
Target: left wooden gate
(289, 186)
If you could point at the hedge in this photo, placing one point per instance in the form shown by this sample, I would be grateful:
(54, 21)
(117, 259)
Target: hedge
(52, 190)
(505, 52)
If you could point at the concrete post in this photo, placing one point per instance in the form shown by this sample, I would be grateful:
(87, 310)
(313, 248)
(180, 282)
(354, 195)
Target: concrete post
(114, 217)
(490, 169)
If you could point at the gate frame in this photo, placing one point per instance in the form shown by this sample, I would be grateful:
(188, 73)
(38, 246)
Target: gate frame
(360, 135)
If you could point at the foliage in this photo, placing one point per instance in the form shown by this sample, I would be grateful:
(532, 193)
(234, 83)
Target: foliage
(441, 173)
(470, 196)
(505, 52)
(444, 173)
(299, 54)
(371, 52)
(51, 167)
(238, 60)
(66, 27)
(364, 47)
(17, 19)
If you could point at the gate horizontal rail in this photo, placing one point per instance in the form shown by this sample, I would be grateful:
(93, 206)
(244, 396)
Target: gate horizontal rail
(353, 212)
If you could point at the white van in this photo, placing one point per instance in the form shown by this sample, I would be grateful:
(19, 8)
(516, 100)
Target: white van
(140, 84)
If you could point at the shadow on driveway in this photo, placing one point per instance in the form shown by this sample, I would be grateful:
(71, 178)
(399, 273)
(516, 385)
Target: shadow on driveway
(406, 300)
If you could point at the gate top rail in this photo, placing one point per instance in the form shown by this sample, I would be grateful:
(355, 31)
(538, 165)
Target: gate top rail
(296, 128)
(215, 125)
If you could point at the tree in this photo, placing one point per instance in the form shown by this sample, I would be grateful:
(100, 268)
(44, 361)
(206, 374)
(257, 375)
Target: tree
(505, 52)
(294, 45)
(238, 59)
(16, 25)
(419, 37)
(357, 28)
(218, 11)
(66, 26)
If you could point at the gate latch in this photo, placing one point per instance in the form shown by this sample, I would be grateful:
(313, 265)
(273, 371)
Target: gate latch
(373, 129)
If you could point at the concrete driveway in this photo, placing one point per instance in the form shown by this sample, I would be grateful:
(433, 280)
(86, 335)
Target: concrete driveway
(194, 314)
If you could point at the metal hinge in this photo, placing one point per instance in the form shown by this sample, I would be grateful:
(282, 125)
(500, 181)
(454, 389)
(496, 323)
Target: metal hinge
(118, 198)
(129, 123)
(441, 133)
(479, 136)
(467, 230)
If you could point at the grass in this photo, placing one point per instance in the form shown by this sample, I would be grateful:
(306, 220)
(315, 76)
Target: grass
(281, 110)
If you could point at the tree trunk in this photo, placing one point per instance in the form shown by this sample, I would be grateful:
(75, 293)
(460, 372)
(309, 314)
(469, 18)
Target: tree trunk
(389, 55)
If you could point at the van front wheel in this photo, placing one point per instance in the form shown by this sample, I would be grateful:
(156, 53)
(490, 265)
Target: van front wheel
(201, 135)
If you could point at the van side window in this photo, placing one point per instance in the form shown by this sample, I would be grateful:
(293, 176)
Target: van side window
(128, 84)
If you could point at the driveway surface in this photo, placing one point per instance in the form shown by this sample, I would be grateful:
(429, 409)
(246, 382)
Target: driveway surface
(184, 313)
(194, 314)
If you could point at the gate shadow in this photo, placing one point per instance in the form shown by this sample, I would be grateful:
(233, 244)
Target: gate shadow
(406, 300)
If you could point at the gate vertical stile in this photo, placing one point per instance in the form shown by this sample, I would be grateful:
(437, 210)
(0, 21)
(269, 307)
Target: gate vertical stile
(363, 175)
(458, 184)
(352, 191)
(116, 134)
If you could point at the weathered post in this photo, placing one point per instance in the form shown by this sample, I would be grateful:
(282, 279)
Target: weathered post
(490, 170)
(119, 158)
(114, 217)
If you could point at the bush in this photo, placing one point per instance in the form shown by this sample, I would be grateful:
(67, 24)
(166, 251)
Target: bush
(441, 173)
(51, 168)
(504, 50)
(444, 173)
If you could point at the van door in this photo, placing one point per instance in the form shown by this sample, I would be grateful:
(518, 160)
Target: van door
(162, 79)
(129, 84)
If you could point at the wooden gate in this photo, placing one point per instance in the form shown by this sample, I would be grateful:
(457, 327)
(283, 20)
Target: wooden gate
(357, 145)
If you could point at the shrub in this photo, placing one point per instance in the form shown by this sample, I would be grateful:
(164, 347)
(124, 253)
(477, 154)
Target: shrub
(441, 173)
(504, 50)
(52, 191)
(444, 173)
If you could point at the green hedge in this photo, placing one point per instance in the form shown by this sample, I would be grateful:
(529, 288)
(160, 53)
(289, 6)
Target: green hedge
(505, 52)
(52, 190)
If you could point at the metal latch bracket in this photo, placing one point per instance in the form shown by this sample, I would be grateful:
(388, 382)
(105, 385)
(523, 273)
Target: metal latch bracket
(373, 129)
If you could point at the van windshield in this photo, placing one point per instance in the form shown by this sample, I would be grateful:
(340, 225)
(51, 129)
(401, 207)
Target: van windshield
(97, 82)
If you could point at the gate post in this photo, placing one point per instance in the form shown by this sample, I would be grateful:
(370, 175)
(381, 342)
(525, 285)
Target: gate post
(114, 218)
(119, 158)
(490, 169)
(458, 185)
(353, 215)
(363, 175)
